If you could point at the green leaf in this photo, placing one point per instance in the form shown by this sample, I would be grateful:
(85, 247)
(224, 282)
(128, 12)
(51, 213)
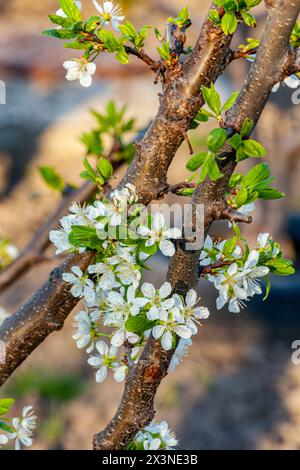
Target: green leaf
(196, 161)
(246, 127)
(92, 23)
(52, 178)
(61, 21)
(268, 287)
(164, 51)
(229, 23)
(270, 193)
(105, 168)
(212, 98)
(83, 236)
(231, 5)
(139, 324)
(230, 102)
(59, 33)
(214, 17)
(280, 267)
(252, 3)
(242, 197)
(5, 427)
(182, 18)
(71, 10)
(5, 405)
(257, 174)
(230, 246)
(214, 172)
(122, 56)
(203, 115)
(235, 141)
(216, 139)
(254, 149)
(249, 19)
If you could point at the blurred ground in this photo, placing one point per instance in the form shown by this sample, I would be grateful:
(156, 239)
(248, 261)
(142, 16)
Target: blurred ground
(238, 388)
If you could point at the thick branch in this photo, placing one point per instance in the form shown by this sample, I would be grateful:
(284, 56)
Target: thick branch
(44, 313)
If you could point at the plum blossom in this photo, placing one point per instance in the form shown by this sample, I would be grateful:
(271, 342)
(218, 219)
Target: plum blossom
(60, 237)
(155, 436)
(23, 428)
(170, 322)
(80, 69)
(180, 352)
(160, 234)
(106, 359)
(107, 279)
(86, 324)
(188, 312)
(110, 13)
(82, 285)
(157, 299)
(237, 284)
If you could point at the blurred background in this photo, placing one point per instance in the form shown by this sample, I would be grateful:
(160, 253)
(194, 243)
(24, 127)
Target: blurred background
(238, 388)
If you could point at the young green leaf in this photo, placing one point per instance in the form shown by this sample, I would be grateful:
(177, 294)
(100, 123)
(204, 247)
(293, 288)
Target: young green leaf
(71, 10)
(216, 139)
(212, 98)
(229, 23)
(196, 161)
(105, 168)
(52, 178)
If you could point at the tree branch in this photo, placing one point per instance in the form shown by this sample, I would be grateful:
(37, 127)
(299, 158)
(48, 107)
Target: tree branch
(44, 313)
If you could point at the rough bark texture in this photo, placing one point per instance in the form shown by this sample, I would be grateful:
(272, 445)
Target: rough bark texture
(137, 405)
(44, 313)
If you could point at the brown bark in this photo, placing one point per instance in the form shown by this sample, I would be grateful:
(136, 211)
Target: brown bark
(44, 313)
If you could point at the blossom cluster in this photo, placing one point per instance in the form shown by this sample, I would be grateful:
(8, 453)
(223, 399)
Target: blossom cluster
(19, 429)
(117, 305)
(83, 69)
(155, 436)
(237, 274)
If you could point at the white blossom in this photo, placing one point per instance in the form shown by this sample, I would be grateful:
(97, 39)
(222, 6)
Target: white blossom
(157, 299)
(80, 69)
(107, 279)
(188, 313)
(237, 284)
(110, 13)
(82, 285)
(160, 234)
(3, 439)
(156, 436)
(60, 237)
(120, 373)
(23, 428)
(86, 325)
(170, 322)
(180, 352)
(104, 360)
